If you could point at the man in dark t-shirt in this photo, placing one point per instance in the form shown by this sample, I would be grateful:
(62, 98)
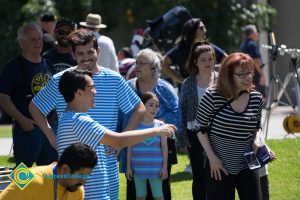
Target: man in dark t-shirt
(21, 79)
(61, 57)
(250, 46)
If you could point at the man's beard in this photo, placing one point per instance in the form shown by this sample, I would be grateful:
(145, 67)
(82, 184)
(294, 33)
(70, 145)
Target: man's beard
(73, 188)
(63, 43)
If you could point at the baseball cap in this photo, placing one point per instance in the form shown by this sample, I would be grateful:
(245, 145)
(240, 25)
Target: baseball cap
(65, 21)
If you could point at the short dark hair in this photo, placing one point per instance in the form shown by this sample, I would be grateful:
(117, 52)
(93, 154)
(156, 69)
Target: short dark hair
(78, 156)
(71, 81)
(47, 17)
(127, 52)
(146, 96)
(82, 37)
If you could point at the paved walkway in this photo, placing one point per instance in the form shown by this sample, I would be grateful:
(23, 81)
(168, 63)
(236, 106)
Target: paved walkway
(275, 130)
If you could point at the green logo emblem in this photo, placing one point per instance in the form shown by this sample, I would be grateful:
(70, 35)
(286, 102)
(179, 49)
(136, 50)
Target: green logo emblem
(22, 176)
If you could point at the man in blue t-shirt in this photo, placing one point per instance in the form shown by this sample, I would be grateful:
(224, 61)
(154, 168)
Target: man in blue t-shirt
(61, 57)
(250, 46)
(22, 78)
(113, 94)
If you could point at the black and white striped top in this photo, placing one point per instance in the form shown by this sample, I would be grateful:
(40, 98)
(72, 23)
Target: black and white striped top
(231, 133)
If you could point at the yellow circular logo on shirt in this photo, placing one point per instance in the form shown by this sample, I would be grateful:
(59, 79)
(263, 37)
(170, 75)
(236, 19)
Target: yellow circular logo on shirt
(39, 81)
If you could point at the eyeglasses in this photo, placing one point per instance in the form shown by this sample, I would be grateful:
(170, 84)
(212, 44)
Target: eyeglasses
(201, 28)
(140, 63)
(62, 32)
(244, 75)
(90, 86)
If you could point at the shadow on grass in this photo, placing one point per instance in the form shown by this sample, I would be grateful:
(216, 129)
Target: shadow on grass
(181, 176)
(11, 159)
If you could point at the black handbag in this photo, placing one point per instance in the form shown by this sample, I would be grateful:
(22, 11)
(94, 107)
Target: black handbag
(172, 153)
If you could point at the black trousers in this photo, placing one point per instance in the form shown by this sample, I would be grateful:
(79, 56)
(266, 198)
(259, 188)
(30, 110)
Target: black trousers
(166, 186)
(246, 182)
(197, 161)
(264, 185)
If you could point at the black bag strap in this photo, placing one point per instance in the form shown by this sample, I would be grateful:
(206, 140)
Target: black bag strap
(222, 107)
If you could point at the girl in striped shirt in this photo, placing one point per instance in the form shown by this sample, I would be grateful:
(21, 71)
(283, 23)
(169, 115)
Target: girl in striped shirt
(148, 160)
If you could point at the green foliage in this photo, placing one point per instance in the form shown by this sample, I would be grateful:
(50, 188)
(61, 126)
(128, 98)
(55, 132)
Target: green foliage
(223, 18)
(262, 15)
(73, 9)
(33, 8)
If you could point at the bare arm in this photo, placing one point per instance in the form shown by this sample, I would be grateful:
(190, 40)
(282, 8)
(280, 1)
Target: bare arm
(167, 62)
(42, 122)
(216, 164)
(9, 107)
(164, 148)
(136, 117)
(129, 174)
(129, 138)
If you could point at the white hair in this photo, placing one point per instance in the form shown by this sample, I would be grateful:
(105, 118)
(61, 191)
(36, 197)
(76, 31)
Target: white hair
(22, 30)
(155, 60)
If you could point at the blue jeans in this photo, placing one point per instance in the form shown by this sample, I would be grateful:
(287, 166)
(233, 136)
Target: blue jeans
(32, 146)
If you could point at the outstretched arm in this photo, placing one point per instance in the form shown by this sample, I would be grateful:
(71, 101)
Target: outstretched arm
(166, 68)
(129, 138)
(136, 117)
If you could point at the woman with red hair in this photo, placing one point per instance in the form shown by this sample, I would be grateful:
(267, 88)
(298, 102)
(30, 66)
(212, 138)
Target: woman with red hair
(229, 124)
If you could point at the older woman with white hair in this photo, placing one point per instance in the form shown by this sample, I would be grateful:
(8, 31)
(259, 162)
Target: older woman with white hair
(147, 79)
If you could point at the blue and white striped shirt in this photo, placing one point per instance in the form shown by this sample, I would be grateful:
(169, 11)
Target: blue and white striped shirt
(113, 93)
(80, 127)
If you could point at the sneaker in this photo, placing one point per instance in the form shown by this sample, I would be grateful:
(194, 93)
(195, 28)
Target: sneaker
(188, 169)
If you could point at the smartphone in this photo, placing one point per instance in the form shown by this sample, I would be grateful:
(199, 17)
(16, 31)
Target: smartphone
(252, 160)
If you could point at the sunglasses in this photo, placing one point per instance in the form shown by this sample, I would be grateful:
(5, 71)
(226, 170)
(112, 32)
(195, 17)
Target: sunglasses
(62, 32)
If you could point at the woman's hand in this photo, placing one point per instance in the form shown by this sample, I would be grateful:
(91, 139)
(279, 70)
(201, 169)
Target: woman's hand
(216, 166)
(272, 154)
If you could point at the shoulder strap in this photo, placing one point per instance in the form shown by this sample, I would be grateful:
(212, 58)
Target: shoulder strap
(223, 106)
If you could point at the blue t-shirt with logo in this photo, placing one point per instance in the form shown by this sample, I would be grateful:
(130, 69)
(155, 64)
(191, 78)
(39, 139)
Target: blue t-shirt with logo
(22, 80)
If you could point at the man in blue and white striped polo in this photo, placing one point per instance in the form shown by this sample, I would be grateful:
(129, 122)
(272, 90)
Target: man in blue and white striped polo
(113, 94)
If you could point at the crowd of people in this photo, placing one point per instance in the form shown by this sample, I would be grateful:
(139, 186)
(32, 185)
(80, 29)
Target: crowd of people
(78, 108)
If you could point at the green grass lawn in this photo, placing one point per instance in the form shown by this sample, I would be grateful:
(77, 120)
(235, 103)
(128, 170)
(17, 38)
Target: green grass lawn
(284, 173)
(5, 131)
